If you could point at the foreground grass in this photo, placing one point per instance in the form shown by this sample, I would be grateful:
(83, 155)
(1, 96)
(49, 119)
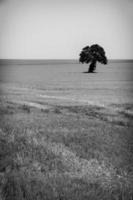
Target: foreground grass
(62, 153)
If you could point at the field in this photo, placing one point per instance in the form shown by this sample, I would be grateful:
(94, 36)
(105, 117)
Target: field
(66, 134)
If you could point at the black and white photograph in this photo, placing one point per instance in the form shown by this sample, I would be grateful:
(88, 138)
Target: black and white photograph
(66, 99)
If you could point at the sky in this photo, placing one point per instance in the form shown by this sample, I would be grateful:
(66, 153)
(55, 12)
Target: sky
(59, 29)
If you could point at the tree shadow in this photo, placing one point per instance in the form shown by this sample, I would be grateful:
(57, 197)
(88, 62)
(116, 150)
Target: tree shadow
(86, 72)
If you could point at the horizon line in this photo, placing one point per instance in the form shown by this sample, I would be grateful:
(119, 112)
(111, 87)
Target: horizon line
(51, 61)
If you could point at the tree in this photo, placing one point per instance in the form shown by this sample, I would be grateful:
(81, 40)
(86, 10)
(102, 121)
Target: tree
(92, 55)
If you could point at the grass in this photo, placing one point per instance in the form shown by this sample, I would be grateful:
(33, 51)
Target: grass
(65, 152)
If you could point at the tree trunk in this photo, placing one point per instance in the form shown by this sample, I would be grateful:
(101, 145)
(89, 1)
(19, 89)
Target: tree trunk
(92, 67)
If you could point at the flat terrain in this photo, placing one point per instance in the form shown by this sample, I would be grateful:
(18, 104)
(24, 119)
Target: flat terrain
(65, 134)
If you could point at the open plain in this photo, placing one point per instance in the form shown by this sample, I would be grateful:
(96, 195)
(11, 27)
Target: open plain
(66, 134)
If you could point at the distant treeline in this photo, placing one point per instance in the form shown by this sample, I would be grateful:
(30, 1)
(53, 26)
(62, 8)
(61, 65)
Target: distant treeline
(50, 61)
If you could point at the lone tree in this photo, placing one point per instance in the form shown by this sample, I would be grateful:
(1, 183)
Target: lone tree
(93, 54)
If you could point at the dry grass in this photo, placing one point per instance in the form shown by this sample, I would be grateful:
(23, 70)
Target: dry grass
(66, 153)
